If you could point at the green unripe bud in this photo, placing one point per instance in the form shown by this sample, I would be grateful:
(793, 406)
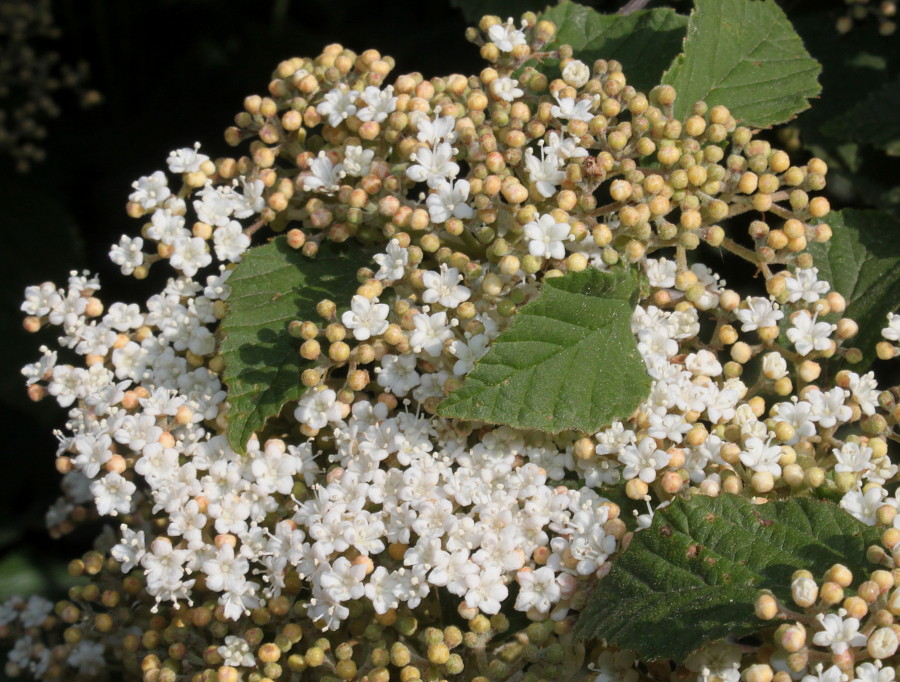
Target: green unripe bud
(531, 264)
(480, 624)
(407, 626)
(506, 308)
(454, 664)
(314, 657)
(400, 655)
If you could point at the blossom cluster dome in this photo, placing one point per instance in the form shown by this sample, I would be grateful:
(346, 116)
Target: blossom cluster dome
(356, 528)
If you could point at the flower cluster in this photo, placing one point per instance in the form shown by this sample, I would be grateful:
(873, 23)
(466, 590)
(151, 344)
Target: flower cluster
(357, 521)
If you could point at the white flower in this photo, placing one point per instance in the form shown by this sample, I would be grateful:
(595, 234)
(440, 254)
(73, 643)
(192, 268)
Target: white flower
(569, 108)
(567, 148)
(112, 494)
(366, 318)
(838, 633)
(236, 652)
(187, 160)
(430, 332)
(545, 173)
(433, 166)
(538, 590)
(36, 611)
(468, 353)
(506, 36)
(806, 286)
(864, 506)
(357, 160)
(892, 331)
(576, 73)
(506, 89)
(318, 407)
(88, 658)
(127, 254)
(324, 176)
(833, 674)
(546, 237)
(379, 104)
(760, 312)
(852, 457)
(131, 548)
(486, 590)
(449, 201)
(151, 190)
(397, 374)
(338, 105)
(392, 262)
(864, 390)
(643, 460)
(230, 242)
(189, 255)
(874, 672)
(432, 132)
(660, 272)
(444, 287)
(807, 335)
(761, 456)
(343, 581)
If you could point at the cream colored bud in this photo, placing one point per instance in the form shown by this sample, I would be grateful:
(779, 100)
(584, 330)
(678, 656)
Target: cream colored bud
(758, 672)
(774, 366)
(831, 593)
(839, 574)
(793, 475)
(804, 591)
(762, 482)
(793, 638)
(882, 643)
(765, 608)
(576, 73)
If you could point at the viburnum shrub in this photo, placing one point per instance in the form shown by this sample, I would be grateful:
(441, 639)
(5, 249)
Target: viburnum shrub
(446, 381)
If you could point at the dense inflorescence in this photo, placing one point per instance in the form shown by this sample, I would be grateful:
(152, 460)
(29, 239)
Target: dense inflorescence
(361, 536)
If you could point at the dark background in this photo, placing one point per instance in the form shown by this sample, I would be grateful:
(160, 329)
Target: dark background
(172, 72)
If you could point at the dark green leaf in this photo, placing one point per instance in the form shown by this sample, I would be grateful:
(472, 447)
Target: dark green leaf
(645, 42)
(872, 121)
(272, 286)
(745, 55)
(853, 65)
(700, 566)
(567, 361)
(862, 263)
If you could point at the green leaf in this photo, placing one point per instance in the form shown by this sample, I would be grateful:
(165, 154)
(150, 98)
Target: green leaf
(273, 285)
(872, 121)
(567, 361)
(645, 42)
(862, 263)
(701, 564)
(745, 55)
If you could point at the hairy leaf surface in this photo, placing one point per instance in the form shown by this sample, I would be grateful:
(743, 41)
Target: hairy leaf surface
(645, 42)
(862, 263)
(567, 361)
(699, 567)
(745, 55)
(273, 285)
